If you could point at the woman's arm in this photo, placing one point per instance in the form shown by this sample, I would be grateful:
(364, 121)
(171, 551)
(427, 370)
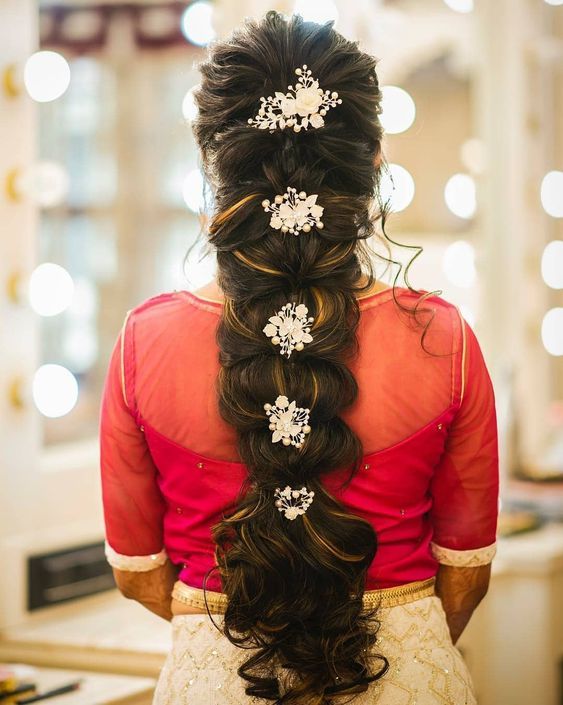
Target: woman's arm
(464, 491)
(461, 590)
(133, 505)
(151, 588)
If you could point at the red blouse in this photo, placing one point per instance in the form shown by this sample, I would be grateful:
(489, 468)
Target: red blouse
(429, 479)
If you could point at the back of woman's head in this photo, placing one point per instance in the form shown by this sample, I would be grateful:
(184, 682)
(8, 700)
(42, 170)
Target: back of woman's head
(294, 580)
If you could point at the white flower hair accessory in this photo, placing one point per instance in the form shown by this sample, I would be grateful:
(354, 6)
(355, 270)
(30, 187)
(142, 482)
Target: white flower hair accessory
(293, 212)
(303, 106)
(290, 328)
(289, 423)
(293, 502)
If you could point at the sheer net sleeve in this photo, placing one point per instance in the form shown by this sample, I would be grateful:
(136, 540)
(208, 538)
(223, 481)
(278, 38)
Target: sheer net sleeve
(133, 506)
(466, 482)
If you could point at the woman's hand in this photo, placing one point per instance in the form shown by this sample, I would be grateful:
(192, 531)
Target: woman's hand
(461, 590)
(152, 588)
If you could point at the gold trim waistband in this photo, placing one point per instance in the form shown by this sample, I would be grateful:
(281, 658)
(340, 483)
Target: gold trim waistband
(386, 597)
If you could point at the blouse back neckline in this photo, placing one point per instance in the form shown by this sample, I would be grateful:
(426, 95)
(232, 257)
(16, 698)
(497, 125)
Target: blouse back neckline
(363, 301)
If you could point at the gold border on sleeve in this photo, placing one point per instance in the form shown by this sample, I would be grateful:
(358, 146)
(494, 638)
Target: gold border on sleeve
(386, 597)
(122, 359)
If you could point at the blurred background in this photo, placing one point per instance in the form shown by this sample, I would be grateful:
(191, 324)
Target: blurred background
(101, 196)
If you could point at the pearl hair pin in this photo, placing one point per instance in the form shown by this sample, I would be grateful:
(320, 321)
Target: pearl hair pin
(293, 502)
(293, 212)
(304, 105)
(290, 328)
(288, 422)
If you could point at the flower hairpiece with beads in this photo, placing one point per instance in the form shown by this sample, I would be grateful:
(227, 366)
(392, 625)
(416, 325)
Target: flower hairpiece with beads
(293, 212)
(290, 328)
(288, 423)
(304, 105)
(293, 502)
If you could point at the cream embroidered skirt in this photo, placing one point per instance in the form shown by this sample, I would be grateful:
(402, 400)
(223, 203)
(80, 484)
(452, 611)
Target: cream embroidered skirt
(425, 668)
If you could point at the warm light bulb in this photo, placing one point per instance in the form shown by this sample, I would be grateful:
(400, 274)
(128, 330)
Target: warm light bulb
(80, 346)
(398, 110)
(55, 390)
(552, 193)
(458, 263)
(463, 6)
(46, 76)
(189, 107)
(192, 191)
(197, 23)
(468, 314)
(552, 331)
(50, 289)
(85, 300)
(460, 195)
(473, 155)
(318, 11)
(199, 268)
(397, 188)
(552, 264)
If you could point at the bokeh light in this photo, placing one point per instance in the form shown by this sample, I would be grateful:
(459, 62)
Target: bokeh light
(189, 107)
(46, 76)
(458, 263)
(45, 183)
(80, 346)
(463, 6)
(50, 289)
(55, 390)
(398, 110)
(552, 193)
(554, 2)
(193, 191)
(552, 331)
(316, 10)
(473, 155)
(468, 314)
(85, 301)
(552, 264)
(397, 188)
(460, 195)
(197, 23)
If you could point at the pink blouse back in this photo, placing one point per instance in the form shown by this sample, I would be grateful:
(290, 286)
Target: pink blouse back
(429, 477)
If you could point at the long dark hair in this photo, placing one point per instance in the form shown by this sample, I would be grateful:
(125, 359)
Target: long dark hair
(294, 587)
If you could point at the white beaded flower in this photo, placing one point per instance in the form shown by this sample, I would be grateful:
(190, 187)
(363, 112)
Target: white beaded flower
(303, 106)
(293, 502)
(288, 422)
(290, 328)
(293, 212)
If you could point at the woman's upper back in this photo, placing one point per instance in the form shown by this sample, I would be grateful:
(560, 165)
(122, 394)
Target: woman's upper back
(401, 387)
(426, 418)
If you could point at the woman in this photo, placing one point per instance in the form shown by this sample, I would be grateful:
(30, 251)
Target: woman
(304, 458)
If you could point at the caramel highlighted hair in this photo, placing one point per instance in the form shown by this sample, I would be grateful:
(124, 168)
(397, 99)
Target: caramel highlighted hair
(294, 587)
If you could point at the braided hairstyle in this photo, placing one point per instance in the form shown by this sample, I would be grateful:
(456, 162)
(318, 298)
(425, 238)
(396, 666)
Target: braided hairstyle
(294, 587)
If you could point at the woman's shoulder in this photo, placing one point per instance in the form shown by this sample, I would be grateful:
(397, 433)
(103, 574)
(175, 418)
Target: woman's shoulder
(424, 302)
(158, 314)
(421, 311)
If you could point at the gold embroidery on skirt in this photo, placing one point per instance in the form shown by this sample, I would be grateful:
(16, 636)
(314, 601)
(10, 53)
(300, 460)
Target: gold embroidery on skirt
(424, 666)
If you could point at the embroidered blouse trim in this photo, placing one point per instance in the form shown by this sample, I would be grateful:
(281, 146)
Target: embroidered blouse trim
(138, 564)
(471, 558)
